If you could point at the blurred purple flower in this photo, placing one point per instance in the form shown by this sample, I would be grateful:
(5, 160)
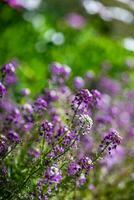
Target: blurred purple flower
(73, 168)
(13, 136)
(75, 20)
(78, 82)
(2, 90)
(53, 175)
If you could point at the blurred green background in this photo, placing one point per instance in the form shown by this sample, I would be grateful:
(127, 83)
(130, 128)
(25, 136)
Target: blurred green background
(37, 37)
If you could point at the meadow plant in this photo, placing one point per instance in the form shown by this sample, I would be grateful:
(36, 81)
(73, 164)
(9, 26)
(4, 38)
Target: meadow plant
(114, 108)
(41, 140)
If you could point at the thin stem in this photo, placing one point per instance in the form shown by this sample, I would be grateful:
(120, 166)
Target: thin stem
(99, 155)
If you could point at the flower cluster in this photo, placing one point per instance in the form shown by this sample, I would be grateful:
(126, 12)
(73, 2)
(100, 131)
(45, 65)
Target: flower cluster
(41, 141)
(112, 140)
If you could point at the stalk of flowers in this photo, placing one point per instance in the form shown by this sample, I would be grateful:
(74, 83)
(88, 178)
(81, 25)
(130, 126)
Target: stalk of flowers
(115, 109)
(39, 143)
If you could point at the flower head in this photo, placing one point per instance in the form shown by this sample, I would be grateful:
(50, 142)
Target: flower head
(59, 72)
(13, 136)
(40, 105)
(75, 20)
(83, 123)
(81, 180)
(111, 140)
(46, 129)
(73, 168)
(86, 163)
(82, 98)
(25, 92)
(79, 82)
(53, 175)
(96, 95)
(34, 152)
(8, 69)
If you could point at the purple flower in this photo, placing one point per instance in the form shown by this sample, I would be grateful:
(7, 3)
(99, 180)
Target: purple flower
(81, 180)
(89, 75)
(110, 86)
(59, 72)
(69, 137)
(53, 175)
(50, 95)
(2, 90)
(10, 79)
(83, 98)
(25, 92)
(57, 150)
(78, 82)
(14, 3)
(40, 105)
(73, 168)
(46, 129)
(56, 68)
(104, 119)
(66, 70)
(111, 140)
(13, 117)
(27, 108)
(75, 20)
(91, 187)
(96, 95)
(8, 69)
(3, 145)
(86, 163)
(13, 136)
(34, 152)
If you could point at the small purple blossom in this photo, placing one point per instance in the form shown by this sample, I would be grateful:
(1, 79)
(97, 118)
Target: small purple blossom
(40, 105)
(8, 69)
(89, 76)
(111, 140)
(59, 72)
(34, 152)
(53, 175)
(25, 92)
(91, 187)
(13, 136)
(46, 129)
(78, 82)
(3, 145)
(73, 168)
(57, 150)
(2, 90)
(50, 95)
(75, 20)
(69, 137)
(56, 68)
(66, 70)
(83, 97)
(81, 180)
(86, 163)
(96, 96)
(14, 117)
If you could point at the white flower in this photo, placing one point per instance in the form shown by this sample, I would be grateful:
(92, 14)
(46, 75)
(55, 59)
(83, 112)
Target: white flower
(83, 123)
